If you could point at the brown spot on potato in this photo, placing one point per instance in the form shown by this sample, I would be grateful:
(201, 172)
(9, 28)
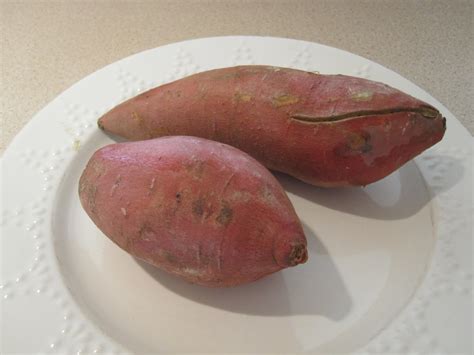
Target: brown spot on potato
(429, 112)
(198, 253)
(355, 144)
(151, 186)
(225, 75)
(284, 100)
(160, 131)
(298, 255)
(225, 215)
(169, 257)
(268, 195)
(141, 124)
(137, 117)
(195, 167)
(273, 68)
(237, 74)
(82, 185)
(178, 197)
(91, 195)
(362, 96)
(242, 97)
(146, 232)
(100, 124)
(98, 168)
(116, 184)
(198, 207)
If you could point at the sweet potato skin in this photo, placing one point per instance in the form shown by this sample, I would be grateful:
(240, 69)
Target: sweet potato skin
(327, 130)
(198, 209)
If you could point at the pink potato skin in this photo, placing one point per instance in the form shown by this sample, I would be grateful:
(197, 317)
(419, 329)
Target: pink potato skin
(198, 209)
(327, 130)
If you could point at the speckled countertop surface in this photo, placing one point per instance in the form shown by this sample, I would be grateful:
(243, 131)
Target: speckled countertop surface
(45, 47)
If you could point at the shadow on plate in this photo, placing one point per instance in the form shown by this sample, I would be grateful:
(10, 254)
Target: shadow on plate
(314, 288)
(114, 137)
(397, 196)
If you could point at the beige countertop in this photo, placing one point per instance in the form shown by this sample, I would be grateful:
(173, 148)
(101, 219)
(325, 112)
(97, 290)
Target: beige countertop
(45, 47)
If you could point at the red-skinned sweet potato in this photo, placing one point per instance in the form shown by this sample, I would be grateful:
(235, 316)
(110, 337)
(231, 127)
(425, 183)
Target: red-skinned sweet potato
(327, 130)
(198, 209)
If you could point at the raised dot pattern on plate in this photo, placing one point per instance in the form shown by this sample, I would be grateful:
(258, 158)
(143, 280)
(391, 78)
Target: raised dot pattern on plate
(304, 60)
(363, 71)
(183, 65)
(35, 275)
(242, 55)
(448, 275)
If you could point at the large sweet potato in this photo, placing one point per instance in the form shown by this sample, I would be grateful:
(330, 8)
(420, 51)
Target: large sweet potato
(199, 209)
(327, 130)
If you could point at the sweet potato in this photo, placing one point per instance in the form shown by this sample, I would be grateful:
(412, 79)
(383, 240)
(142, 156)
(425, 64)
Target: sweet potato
(198, 209)
(327, 130)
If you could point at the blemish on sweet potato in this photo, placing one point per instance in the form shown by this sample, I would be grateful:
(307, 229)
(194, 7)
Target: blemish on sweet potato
(137, 117)
(198, 207)
(91, 195)
(298, 255)
(100, 124)
(152, 184)
(225, 214)
(146, 233)
(268, 195)
(284, 100)
(273, 68)
(169, 257)
(429, 112)
(198, 254)
(116, 184)
(151, 187)
(82, 185)
(219, 256)
(359, 142)
(99, 168)
(193, 272)
(355, 144)
(242, 97)
(362, 96)
(195, 167)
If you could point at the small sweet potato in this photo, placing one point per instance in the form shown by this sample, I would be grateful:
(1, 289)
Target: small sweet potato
(198, 209)
(327, 130)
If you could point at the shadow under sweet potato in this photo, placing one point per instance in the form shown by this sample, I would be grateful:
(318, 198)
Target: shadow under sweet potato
(314, 288)
(395, 197)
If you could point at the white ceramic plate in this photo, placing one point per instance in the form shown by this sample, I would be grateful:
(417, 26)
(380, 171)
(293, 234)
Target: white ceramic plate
(390, 267)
